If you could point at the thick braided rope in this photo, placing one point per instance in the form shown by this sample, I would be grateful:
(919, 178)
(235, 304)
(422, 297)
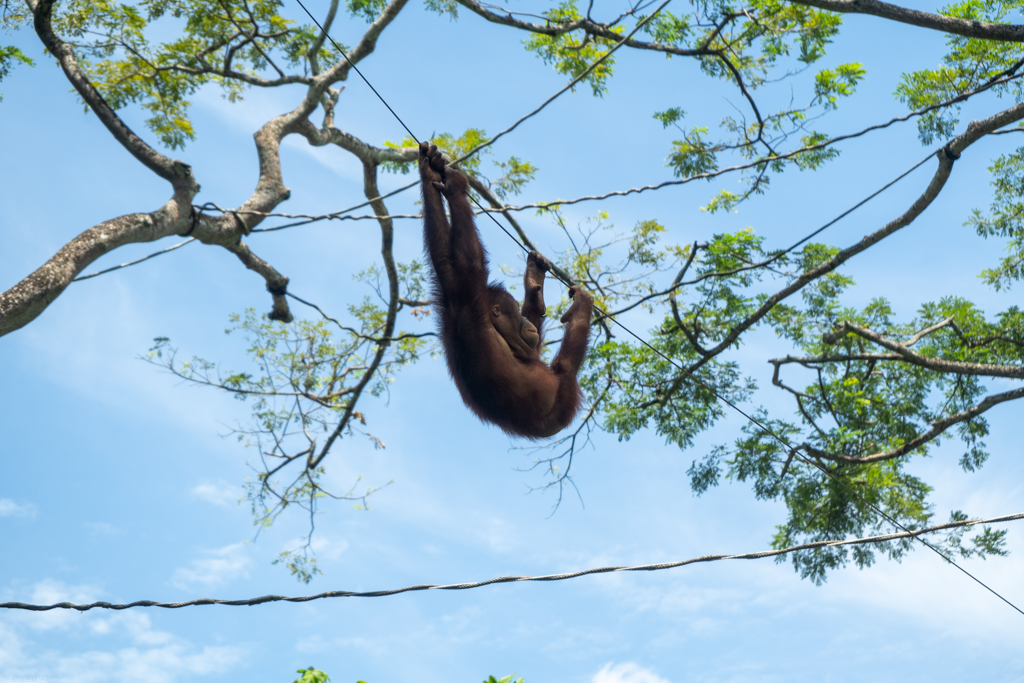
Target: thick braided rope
(510, 579)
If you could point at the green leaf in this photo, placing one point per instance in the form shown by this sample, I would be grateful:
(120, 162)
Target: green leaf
(9, 57)
(312, 675)
(572, 52)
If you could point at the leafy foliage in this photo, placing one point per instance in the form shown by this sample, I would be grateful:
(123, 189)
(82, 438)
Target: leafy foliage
(367, 9)
(9, 56)
(1006, 219)
(967, 64)
(871, 390)
(300, 563)
(515, 173)
(453, 146)
(312, 675)
(830, 85)
(228, 43)
(449, 7)
(572, 52)
(306, 379)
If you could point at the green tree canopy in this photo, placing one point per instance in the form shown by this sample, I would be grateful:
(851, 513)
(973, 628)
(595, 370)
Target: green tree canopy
(861, 395)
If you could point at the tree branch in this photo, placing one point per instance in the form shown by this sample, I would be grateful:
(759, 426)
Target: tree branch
(387, 242)
(934, 364)
(946, 156)
(591, 27)
(23, 302)
(26, 300)
(954, 25)
(178, 173)
(938, 427)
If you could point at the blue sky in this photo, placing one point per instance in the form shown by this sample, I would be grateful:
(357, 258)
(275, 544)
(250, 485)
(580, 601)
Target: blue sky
(122, 487)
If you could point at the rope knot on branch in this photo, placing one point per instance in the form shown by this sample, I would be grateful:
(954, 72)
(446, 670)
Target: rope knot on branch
(278, 289)
(839, 331)
(197, 215)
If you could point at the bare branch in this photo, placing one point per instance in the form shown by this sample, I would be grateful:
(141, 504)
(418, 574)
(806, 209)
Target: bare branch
(590, 26)
(387, 244)
(314, 49)
(277, 284)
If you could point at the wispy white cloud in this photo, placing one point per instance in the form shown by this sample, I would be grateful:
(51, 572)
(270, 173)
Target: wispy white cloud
(221, 566)
(218, 494)
(48, 592)
(153, 656)
(499, 535)
(261, 107)
(12, 647)
(447, 633)
(8, 508)
(102, 529)
(174, 662)
(626, 672)
(934, 596)
(327, 547)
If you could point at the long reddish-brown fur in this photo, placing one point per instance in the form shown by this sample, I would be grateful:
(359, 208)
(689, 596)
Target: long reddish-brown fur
(522, 395)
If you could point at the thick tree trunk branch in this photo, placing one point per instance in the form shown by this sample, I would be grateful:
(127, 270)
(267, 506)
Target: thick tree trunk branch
(938, 22)
(367, 153)
(934, 364)
(954, 25)
(277, 284)
(26, 300)
(270, 188)
(225, 231)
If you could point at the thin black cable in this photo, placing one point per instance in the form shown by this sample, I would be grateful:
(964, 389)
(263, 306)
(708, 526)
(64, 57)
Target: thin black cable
(356, 68)
(792, 449)
(399, 119)
(590, 68)
(862, 202)
(508, 579)
(339, 215)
